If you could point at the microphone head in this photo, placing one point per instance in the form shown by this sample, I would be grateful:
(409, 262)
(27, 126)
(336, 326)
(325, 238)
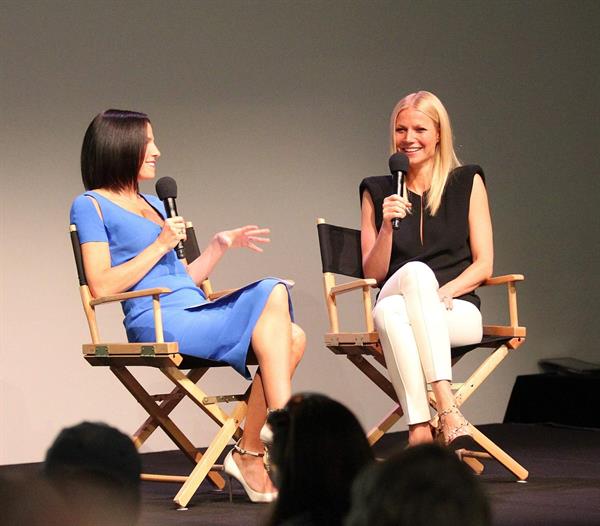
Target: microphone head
(398, 163)
(166, 188)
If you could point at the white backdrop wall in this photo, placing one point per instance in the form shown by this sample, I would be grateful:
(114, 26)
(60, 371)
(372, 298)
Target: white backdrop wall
(273, 112)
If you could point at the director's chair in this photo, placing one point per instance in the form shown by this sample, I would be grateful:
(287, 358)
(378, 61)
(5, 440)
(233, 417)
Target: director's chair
(121, 357)
(341, 254)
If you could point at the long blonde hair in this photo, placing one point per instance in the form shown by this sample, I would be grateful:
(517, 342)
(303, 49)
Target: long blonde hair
(445, 159)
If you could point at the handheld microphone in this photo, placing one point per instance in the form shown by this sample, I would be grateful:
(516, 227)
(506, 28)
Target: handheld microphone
(166, 190)
(398, 168)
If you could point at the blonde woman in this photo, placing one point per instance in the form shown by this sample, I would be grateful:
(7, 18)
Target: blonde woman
(429, 268)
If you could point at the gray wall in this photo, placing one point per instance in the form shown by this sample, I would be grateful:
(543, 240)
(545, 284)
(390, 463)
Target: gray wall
(272, 112)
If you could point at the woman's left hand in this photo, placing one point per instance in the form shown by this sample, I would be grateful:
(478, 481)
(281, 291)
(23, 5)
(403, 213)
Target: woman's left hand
(445, 297)
(244, 237)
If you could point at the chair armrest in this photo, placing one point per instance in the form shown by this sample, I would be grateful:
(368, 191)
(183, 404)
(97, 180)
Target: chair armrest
(352, 285)
(219, 293)
(128, 295)
(514, 329)
(500, 280)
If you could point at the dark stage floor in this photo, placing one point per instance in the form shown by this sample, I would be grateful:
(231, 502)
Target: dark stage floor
(563, 486)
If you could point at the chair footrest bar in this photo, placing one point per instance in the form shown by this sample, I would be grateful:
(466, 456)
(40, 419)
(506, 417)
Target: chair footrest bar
(475, 454)
(180, 479)
(153, 477)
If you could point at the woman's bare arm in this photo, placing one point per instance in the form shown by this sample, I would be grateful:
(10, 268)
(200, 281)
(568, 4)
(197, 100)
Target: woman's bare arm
(482, 245)
(244, 237)
(104, 279)
(377, 246)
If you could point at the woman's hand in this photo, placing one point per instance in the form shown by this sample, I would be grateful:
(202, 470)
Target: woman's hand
(445, 297)
(395, 206)
(244, 237)
(173, 231)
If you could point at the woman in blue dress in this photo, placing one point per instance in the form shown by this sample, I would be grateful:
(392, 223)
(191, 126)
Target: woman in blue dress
(127, 243)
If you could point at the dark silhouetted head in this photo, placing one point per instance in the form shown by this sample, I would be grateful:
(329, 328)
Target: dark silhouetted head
(96, 468)
(318, 448)
(421, 486)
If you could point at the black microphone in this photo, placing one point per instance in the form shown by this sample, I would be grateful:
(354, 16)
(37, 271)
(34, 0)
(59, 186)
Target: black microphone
(398, 168)
(166, 190)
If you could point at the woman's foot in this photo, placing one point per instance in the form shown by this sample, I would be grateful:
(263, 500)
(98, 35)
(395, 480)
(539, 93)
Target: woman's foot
(454, 428)
(247, 468)
(421, 433)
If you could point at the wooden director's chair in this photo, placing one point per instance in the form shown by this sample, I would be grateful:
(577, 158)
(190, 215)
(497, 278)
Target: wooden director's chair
(165, 357)
(341, 254)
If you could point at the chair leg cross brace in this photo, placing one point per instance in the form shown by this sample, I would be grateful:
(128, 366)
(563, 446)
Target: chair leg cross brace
(167, 405)
(159, 417)
(464, 392)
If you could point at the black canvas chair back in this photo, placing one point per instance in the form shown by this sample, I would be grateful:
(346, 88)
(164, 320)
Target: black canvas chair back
(340, 250)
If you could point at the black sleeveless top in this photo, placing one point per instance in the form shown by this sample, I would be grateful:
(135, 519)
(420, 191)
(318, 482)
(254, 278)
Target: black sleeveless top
(445, 248)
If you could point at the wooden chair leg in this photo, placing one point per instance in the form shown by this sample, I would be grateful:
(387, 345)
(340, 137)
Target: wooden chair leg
(375, 376)
(480, 374)
(222, 438)
(167, 425)
(384, 425)
(197, 395)
(474, 464)
(386, 386)
(462, 394)
(167, 405)
(500, 455)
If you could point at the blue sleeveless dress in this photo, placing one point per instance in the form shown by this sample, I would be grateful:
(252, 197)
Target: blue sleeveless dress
(215, 330)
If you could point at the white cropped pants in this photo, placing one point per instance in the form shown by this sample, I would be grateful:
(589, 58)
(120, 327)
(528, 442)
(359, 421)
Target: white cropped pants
(417, 331)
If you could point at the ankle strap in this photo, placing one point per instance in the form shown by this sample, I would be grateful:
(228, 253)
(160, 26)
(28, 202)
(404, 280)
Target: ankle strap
(243, 451)
(452, 409)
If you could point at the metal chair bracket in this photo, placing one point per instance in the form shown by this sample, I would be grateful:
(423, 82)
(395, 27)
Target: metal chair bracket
(101, 350)
(147, 350)
(222, 399)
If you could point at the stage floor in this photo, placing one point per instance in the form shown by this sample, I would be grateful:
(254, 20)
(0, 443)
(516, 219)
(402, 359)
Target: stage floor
(563, 486)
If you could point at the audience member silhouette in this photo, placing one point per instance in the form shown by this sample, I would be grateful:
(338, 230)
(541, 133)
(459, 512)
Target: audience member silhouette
(96, 469)
(421, 486)
(29, 500)
(318, 448)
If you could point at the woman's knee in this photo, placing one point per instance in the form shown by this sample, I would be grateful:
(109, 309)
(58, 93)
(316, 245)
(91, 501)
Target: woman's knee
(275, 314)
(278, 298)
(389, 306)
(417, 274)
(298, 343)
(465, 325)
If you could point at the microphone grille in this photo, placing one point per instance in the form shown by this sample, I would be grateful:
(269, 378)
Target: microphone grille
(398, 163)
(166, 187)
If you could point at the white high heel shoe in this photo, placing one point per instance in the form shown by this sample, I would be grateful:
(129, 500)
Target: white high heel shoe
(231, 468)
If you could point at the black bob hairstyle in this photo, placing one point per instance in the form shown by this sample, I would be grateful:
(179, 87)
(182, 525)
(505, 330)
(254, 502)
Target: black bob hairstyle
(113, 150)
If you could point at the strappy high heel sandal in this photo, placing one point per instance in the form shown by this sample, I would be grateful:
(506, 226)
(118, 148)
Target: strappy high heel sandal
(457, 437)
(233, 471)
